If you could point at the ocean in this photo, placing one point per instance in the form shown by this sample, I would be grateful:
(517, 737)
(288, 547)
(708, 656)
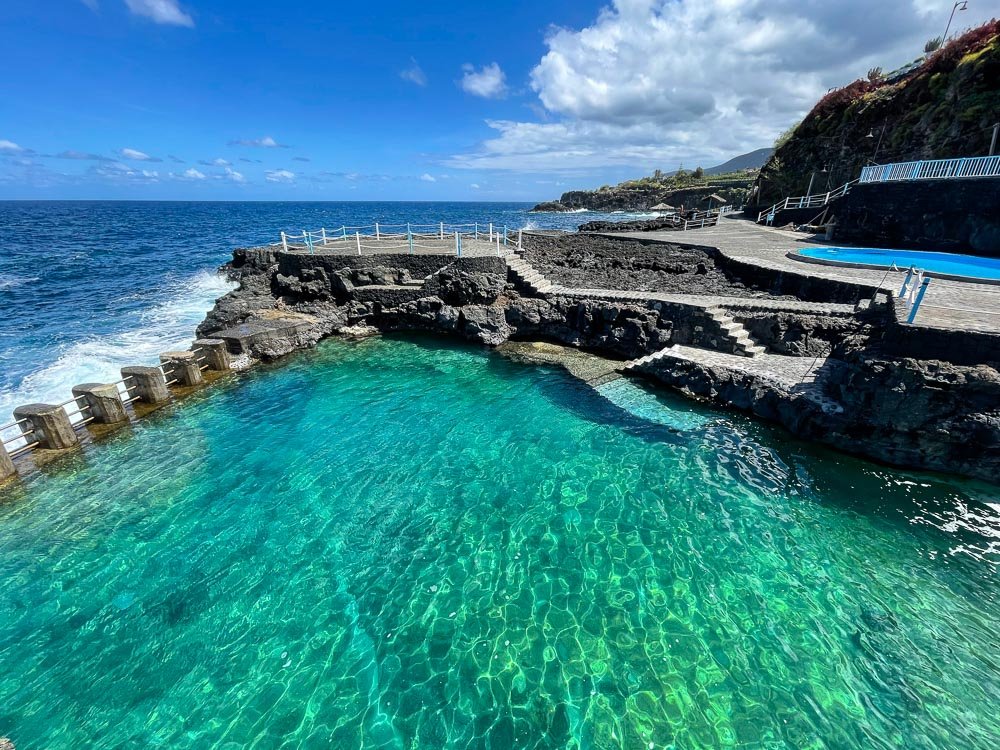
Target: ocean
(413, 542)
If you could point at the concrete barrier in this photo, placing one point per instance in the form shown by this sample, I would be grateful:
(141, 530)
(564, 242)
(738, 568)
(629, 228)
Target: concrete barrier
(48, 425)
(215, 353)
(104, 402)
(6, 468)
(148, 384)
(183, 367)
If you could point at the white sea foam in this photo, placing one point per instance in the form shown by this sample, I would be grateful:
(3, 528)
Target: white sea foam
(163, 327)
(11, 280)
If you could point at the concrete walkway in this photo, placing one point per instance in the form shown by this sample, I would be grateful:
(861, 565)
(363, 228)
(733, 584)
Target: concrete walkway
(971, 306)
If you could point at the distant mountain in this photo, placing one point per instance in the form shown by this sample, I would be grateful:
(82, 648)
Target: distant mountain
(753, 160)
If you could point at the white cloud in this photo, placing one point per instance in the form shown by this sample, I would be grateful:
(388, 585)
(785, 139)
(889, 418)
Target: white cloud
(10, 147)
(167, 12)
(652, 83)
(234, 176)
(414, 74)
(279, 175)
(219, 162)
(427, 178)
(489, 82)
(474, 186)
(134, 155)
(194, 174)
(264, 142)
(92, 4)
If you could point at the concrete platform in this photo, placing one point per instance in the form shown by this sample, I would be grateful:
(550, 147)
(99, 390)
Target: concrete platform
(969, 306)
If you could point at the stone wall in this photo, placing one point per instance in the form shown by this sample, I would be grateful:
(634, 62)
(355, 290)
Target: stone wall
(949, 215)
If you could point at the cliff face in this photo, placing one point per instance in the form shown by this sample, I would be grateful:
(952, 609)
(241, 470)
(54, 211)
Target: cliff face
(943, 108)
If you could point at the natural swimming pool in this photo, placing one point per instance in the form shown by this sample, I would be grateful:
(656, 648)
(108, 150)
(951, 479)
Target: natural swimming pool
(951, 264)
(407, 542)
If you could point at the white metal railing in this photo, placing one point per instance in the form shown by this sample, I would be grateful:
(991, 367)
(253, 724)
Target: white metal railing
(939, 169)
(816, 200)
(412, 238)
(709, 218)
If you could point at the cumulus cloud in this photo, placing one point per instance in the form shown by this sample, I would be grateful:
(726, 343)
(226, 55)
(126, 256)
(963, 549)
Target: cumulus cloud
(427, 177)
(488, 82)
(9, 147)
(414, 74)
(194, 174)
(134, 155)
(656, 82)
(166, 12)
(279, 175)
(265, 142)
(233, 176)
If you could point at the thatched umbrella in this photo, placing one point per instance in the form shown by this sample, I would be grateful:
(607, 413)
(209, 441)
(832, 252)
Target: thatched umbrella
(662, 207)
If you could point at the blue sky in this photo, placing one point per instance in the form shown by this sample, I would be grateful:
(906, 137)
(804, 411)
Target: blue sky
(238, 99)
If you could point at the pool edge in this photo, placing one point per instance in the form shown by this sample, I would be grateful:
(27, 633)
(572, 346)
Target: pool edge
(795, 255)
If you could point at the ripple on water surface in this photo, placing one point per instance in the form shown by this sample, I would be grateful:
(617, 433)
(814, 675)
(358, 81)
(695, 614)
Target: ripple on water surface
(398, 543)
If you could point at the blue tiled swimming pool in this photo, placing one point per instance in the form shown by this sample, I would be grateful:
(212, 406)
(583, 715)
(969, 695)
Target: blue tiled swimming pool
(950, 264)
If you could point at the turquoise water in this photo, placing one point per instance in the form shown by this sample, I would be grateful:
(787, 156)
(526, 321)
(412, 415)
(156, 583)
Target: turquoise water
(406, 543)
(951, 264)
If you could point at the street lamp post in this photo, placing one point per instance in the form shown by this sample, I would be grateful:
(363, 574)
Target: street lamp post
(960, 5)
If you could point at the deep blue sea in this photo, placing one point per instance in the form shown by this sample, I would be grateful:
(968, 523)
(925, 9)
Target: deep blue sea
(89, 286)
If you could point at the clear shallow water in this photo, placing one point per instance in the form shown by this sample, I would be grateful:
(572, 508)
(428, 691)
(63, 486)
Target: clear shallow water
(952, 264)
(87, 287)
(410, 543)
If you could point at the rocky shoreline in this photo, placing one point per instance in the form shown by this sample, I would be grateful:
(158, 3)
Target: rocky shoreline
(916, 413)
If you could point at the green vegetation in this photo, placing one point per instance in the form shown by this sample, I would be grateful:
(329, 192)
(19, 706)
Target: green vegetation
(942, 105)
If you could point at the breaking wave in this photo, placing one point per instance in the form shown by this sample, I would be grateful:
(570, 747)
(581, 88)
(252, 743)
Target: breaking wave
(166, 325)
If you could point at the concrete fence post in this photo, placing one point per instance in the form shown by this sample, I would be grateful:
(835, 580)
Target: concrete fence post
(409, 238)
(148, 384)
(6, 465)
(505, 235)
(520, 232)
(105, 402)
(377, 235)
(442, 230)
(215, 352)
(48, 425)
(284, 241)
(322, 232)
(476, 231)
(183, 367)
(357, 239)
(491, 232)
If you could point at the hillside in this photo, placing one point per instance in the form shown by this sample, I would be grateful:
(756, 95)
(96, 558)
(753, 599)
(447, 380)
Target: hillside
(681, 189)
(753, 160)
(942, 106)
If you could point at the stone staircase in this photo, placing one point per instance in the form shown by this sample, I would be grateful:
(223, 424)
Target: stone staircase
(527, 275)
(734, 331)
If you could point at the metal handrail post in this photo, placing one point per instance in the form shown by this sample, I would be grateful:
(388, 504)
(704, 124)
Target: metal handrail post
(920, 298)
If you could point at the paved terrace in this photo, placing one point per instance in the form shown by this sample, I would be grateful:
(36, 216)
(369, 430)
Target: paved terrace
(398, 244)
(970, 306)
